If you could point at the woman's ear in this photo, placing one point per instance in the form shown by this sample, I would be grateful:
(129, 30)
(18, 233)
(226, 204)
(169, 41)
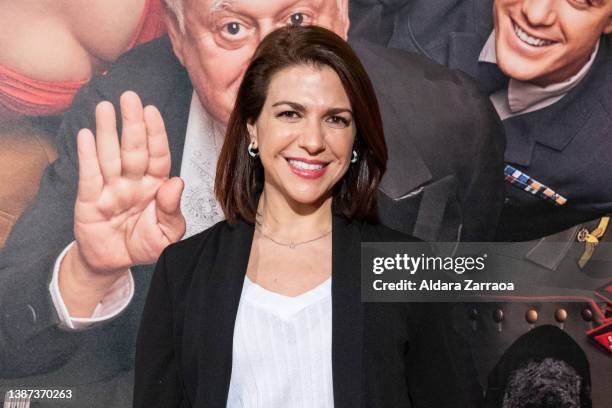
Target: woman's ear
(252, 130)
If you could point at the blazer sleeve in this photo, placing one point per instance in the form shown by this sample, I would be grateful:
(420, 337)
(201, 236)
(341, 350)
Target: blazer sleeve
(31, 341)
(157, 379)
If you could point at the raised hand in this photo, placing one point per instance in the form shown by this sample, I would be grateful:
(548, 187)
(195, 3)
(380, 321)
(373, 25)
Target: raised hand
(127, 209)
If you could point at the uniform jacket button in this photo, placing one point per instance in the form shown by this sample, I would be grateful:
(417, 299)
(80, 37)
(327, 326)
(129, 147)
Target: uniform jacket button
(531, 316)
(561, 315)
(587, 314)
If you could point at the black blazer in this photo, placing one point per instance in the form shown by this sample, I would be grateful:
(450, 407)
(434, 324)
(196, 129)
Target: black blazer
(383, 355)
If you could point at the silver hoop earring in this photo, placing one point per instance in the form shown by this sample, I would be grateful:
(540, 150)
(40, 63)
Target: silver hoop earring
(253, 152)
(355, 157)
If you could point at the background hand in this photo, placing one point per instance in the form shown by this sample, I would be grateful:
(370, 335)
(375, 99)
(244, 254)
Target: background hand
(127, 210)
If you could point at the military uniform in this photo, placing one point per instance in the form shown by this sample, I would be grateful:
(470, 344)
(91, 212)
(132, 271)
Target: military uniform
(566, 147)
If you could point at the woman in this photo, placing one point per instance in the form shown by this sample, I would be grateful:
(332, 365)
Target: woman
(264, 309)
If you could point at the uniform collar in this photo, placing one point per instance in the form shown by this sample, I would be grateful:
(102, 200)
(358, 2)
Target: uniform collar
(524, 97)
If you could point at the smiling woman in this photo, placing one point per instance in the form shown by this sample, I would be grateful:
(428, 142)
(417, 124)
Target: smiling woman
(305, 144)
(302, 113)
(311, 136)
(264, 309)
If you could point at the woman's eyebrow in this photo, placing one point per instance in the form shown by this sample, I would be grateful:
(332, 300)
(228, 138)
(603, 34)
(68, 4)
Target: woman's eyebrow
(335, 111)
(301, 108)
(294, 105)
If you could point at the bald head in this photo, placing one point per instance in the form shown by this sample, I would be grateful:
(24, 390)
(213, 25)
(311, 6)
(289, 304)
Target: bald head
(215, 39)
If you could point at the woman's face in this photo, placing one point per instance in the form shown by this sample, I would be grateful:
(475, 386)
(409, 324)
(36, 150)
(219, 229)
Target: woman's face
(304, 134)
(548, 41)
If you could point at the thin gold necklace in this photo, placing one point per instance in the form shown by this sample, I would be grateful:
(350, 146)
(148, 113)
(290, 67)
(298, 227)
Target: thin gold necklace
(292, 244)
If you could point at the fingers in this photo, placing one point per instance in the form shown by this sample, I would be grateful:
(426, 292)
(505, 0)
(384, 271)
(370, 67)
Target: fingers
(157, 142)
(107, 142)
(134, 152)
(144, 144)
(169, 216)
(90, 177)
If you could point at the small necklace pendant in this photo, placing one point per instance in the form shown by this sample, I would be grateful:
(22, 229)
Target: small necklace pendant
(292, 245)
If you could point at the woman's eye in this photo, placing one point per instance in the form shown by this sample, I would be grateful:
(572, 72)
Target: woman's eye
(338, 121)
(288, 114)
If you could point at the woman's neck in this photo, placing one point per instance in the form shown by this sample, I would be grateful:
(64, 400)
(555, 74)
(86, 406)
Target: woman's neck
(292, 221)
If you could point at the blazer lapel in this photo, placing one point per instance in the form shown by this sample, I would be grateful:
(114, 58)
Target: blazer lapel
(347, 314)
(223, 278)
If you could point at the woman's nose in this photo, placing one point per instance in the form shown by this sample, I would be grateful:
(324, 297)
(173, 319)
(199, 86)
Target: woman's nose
(312, 138)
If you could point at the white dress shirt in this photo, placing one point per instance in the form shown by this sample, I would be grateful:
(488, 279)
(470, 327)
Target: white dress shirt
(524, 97)
(282, 347)
(203, 141)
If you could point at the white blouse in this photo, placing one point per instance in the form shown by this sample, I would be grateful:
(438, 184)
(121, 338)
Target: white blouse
(282, 349)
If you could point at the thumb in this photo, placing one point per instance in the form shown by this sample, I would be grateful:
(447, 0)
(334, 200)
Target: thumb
(169, 216)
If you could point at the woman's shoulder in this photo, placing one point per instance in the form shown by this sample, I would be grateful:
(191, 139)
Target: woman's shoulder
(189, 250)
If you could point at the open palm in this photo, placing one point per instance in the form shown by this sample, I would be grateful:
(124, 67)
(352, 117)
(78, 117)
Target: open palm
(127, 209)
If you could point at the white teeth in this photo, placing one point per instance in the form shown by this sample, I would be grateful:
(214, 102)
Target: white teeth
(305, 166)
(526, 38)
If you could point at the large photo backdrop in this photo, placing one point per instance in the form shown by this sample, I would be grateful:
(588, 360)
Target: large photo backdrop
(496, 116)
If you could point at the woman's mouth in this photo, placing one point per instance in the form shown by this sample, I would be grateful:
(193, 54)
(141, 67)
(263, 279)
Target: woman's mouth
(311, 169)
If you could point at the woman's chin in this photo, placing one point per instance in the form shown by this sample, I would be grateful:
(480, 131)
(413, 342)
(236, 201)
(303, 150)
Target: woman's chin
(307, 198)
